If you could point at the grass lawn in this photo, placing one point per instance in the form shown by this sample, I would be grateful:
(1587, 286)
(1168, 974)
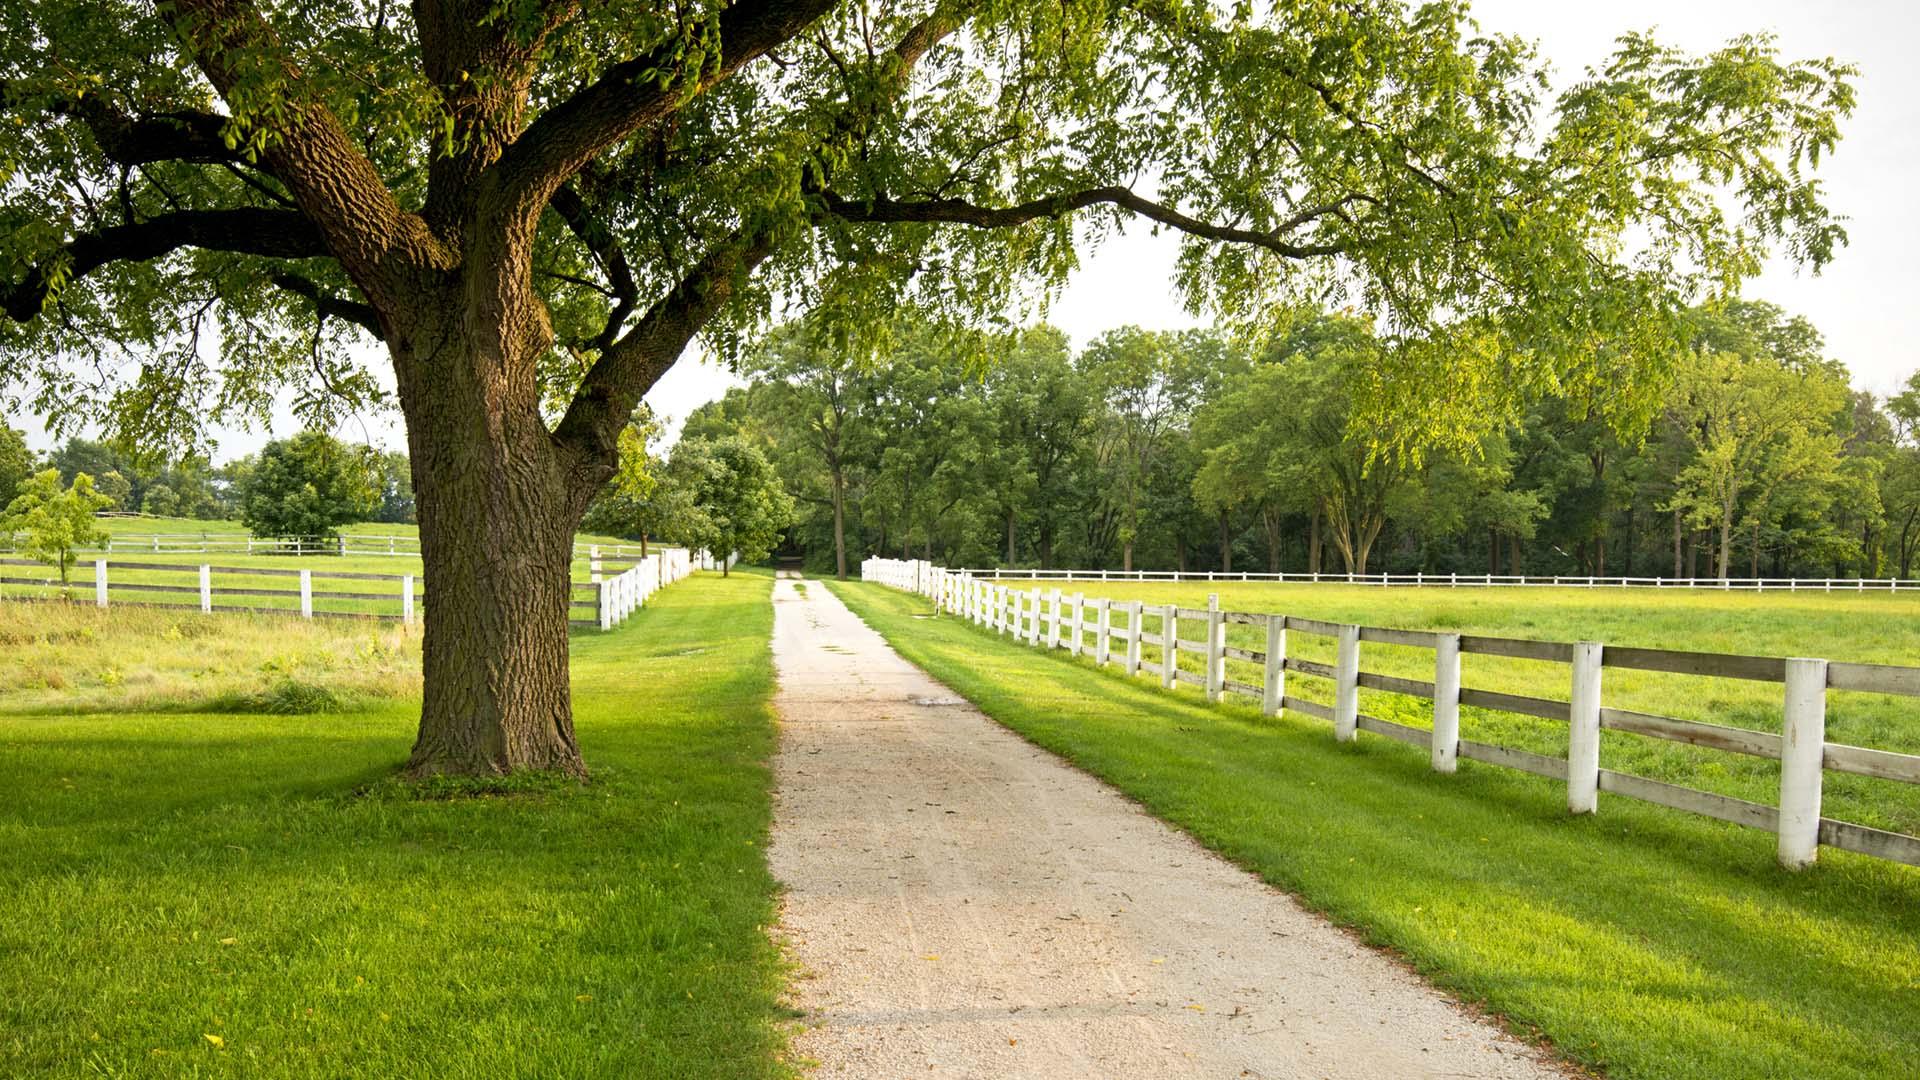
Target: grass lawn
(197, 893)
(1881, 628)
(1645, 942)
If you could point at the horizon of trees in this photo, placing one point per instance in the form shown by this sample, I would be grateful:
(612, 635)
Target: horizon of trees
(191, 486)
(1184, 450)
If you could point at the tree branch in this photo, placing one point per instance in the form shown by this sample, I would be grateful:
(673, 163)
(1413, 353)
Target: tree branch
(328, 306)
(961, 212)
(599, 239)
(629, 367)
(631, 95)
(281, 234)
(129, 139)
(380, 246)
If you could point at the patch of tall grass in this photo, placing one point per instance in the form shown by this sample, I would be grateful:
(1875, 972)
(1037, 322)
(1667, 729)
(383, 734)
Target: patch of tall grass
(76, 658)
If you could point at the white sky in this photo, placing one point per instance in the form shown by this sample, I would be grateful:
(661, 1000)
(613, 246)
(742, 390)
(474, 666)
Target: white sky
(1864, 303)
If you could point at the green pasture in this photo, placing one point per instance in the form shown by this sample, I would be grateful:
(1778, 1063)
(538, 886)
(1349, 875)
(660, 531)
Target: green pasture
(1881, 628)
(1643, 942)
(216, 889)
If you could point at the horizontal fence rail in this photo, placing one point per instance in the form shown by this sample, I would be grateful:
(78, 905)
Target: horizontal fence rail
(1773, 584)
(309, 592)
(1053, 619)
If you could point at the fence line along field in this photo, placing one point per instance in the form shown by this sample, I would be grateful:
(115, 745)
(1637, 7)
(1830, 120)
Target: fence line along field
(148, 534)
(1820, 751)
(606, 590)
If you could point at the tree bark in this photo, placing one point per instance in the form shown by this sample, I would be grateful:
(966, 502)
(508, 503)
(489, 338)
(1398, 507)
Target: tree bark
(1010, 537)
(1313, 539)
(1678, 535)
(1226, 545)
(498, 504)
(839, 524)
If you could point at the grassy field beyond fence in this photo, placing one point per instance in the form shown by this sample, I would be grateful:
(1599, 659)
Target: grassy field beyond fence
(1642, 941)
(1880, 628)
(199, 891)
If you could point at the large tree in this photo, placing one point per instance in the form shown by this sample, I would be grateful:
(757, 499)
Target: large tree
(536, 207)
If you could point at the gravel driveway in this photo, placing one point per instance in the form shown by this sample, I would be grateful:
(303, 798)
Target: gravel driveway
(965, 905)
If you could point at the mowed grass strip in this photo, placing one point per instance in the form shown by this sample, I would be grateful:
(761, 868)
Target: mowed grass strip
(1880, 628)
(1641, 941)
(195, 894)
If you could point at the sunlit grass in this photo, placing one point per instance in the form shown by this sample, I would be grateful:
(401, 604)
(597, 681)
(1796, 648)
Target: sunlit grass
(1647, 942)
(264, 881)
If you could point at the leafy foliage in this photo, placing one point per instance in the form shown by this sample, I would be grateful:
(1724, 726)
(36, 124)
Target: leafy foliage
(55, 521)
(307, 485)
(735, 503)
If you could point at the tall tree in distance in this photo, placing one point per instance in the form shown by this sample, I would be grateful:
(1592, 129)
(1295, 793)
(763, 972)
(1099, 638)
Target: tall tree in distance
(542, 204)
(735, 505)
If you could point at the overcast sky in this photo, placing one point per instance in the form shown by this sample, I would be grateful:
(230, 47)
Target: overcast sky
(1865, 302)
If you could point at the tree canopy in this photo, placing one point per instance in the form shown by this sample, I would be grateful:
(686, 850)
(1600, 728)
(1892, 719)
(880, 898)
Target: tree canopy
(212, 199)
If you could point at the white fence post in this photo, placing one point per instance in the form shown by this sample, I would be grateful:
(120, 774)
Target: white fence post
(1446, 702)
(602, 605)
(1346, 685)
(306, 594)
(406, 598)
(1583, 731)
(1803, 746)
(100, 582)
(206, 589)
(1053, 625)
(1102, 631)
(1274, 687)
(1079, 624)
(1216, 649)
(1135, 616)
(1169, 646)
(1033, 618)
(593, 563)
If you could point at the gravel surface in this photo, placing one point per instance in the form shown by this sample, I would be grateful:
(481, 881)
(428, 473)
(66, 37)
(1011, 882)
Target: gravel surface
(962, 904)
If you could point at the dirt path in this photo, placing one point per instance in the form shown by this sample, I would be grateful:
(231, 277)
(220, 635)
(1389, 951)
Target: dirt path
(965, 905)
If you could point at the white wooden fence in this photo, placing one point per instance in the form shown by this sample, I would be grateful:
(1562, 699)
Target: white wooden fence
(1774, 584)
(618, 597)
(242, 544)
(1051, 619)
(264, 590)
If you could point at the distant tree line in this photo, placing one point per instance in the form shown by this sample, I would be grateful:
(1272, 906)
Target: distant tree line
(1185, 450)
(306, 485)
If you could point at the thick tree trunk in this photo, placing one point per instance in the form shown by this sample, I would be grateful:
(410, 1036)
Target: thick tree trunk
(1313, 540)
(839, 525)
(498, 505)
(1678, 536)
(1226, 545)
